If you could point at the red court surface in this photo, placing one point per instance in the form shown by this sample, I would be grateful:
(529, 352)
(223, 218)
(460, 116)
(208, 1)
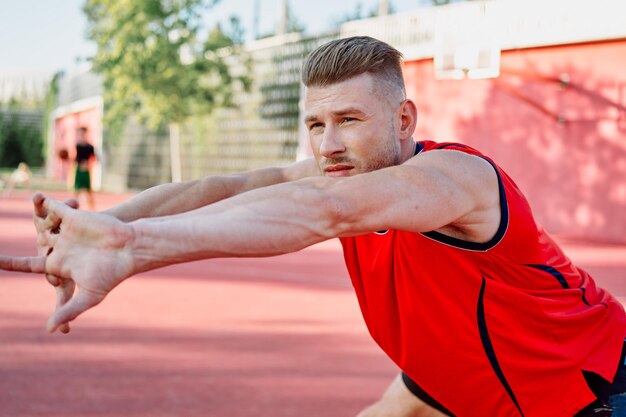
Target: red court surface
(274, 337)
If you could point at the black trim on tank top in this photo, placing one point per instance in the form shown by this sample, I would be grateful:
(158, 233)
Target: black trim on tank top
(456, 145)
(476, 246)
(423, 395)
(488, 346)
(559, 277)
(583, 289)
(552, 271)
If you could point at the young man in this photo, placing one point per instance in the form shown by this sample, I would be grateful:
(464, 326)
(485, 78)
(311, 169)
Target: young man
(85, 154)
(476, 304)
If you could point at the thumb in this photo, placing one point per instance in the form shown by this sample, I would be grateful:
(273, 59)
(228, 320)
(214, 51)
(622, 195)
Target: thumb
(80, 303)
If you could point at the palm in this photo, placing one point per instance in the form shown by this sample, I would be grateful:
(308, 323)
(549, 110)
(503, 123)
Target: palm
(91, 251)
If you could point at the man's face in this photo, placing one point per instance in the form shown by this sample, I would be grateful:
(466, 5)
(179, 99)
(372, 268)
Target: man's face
(352, 127)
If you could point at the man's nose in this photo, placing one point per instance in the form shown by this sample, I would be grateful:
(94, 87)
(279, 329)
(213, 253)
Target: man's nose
(331, 143)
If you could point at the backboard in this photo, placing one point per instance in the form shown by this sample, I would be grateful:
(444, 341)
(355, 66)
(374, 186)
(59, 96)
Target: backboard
(467, 60)
(465, 43)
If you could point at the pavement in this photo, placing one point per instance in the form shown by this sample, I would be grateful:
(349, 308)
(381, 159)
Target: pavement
(278, 336)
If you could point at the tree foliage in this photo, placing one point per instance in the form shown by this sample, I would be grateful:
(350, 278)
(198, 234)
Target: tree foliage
(20, 139)
(152, 62)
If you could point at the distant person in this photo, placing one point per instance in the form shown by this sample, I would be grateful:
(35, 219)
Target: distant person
(85, 154)
(19, 177)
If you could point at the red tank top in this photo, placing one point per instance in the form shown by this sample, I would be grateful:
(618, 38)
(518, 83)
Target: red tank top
(501, 328)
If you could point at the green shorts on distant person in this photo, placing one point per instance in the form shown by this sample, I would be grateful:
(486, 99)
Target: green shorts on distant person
(82, 180)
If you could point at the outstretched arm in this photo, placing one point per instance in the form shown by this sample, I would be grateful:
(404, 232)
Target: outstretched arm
(437, 190)
(173, 198)
(167, 199)
(430, 192)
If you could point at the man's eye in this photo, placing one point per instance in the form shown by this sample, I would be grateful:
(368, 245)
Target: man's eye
(347, 120)
(316, 126)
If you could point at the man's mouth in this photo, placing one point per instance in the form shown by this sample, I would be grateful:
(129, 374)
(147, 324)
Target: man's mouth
(338, 170)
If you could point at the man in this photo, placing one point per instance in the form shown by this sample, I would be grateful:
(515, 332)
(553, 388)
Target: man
(479, 308)
(85, 154)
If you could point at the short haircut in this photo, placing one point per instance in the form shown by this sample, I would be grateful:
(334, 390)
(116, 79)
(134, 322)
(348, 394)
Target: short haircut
(343, 59)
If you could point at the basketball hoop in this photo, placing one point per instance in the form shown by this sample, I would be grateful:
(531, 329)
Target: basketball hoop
(467, 60)
(465, 45)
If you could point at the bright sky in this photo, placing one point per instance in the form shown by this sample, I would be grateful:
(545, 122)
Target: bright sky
(48, 36)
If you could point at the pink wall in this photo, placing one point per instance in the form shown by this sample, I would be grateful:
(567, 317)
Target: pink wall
(65, 137)
(573, 171)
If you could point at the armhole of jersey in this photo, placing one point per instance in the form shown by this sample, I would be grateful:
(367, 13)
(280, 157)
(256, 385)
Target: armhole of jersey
(475, 246)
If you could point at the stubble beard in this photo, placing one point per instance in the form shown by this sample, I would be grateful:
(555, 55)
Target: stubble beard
(391, 153)
(389, 156)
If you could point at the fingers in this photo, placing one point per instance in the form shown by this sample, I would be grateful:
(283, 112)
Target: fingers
(35, 264)
(51, 223)
(64, 293)
(56, 208)
(53, 280)
(56, 212)
(41, 204)
(47, 222)
(38, 207)
(64, 328)
(47, 229)
(80, 303)
(72, 203)
(49, 212)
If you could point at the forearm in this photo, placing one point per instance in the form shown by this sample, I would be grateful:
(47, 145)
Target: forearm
(266, 222)
(174, 198)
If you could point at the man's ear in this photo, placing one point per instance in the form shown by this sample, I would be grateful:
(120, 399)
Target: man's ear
(408, 119)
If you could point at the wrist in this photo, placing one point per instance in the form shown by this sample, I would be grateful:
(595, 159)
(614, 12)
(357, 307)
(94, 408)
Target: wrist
(152, 246)
(142, 246)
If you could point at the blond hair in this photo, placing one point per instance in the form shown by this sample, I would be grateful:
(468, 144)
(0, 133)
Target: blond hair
(343, 59)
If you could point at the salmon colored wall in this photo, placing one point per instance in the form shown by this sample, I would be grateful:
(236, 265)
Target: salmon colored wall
(65, 137)
(564, 144)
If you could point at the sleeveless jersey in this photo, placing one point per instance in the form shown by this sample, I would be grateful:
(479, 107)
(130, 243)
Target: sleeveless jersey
(502, 328)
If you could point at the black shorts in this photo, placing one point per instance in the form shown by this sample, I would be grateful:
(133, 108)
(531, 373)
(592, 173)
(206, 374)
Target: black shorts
(611, 395)
(611, 400)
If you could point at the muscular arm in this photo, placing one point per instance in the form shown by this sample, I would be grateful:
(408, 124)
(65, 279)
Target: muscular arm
(173, 198)
(163, 200)
(435, 191)
(440, 190)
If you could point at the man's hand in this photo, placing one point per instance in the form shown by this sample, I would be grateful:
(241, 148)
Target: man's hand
(64, 287)
(91, 251)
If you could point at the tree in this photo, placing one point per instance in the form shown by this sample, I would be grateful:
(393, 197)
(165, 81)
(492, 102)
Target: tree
(153, 64)
(20, 140)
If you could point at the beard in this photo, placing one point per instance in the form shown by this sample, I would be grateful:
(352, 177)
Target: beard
(388, 155)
